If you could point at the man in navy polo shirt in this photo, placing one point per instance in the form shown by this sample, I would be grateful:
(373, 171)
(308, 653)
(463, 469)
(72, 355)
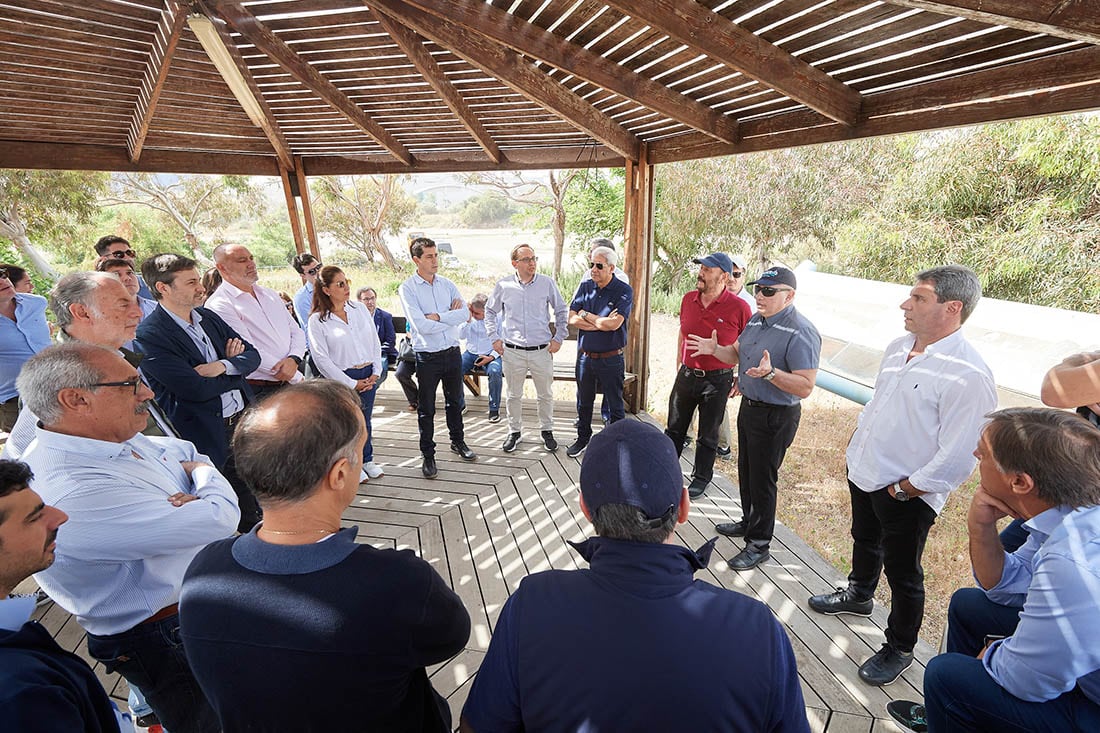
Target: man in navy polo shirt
(629, 643)
(599, 311)
(703, 382)
(777, 356)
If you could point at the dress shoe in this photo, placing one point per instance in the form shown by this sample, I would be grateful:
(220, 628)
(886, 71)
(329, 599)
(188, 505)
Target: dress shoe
(885, 666)
(429, 468)
(908, 714)
(463, 450)
(697, 487)
(412, 407)
(842, 600)
(748, 559)
(494, 415)
(731, 529)
(548, 441)
(510, 442)
(577, 447)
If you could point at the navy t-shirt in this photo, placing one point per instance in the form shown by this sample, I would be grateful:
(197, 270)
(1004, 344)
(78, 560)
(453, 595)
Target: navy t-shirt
(616, 295)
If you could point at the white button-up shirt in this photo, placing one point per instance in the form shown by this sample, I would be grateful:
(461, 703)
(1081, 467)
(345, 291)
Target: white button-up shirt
(337, 346)
(262, 320)
(924, 420)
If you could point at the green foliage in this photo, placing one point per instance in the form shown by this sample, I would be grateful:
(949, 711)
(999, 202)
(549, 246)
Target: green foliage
(146, 230)
(359, 210)
(594, 205)
(9, 255)
(487, 210)
(272, 241)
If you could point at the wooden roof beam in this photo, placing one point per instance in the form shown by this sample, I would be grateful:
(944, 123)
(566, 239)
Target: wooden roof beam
(531, 40)
(704, 31)
(413, 47)
(165, 41)
(1077, 20)
(260, 36)
(513, 71)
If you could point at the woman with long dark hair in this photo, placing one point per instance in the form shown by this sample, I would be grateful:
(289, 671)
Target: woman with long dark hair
(345, 347)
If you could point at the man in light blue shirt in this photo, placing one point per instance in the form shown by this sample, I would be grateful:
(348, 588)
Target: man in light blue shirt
(479, 352)
(23, 333)
(1024, 647)
(435, 310)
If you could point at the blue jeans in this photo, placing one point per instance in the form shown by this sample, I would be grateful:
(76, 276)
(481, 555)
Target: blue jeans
(493, 373)
(598, 374)
(150, 656)
(366, 403)
(384, 373)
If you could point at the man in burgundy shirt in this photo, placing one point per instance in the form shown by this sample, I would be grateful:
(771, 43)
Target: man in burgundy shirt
(704, 382)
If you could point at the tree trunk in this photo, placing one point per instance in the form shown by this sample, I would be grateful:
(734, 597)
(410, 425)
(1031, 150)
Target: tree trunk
(196, 249)
(14, 229)
(557, 223)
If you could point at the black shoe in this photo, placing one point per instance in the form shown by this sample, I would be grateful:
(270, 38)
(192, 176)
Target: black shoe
(429, 468)
(697, 487)
(723, 452)
(577, 448)
(748, 559)
(510, 442)
(731, 529)
(463, 450)
(548, 440)
(147, 721)
(908, 715)
(494, 415)
(687, 440)
(842, 600)
(885, 666)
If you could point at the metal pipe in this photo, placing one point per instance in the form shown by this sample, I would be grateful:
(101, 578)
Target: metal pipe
(847, 388)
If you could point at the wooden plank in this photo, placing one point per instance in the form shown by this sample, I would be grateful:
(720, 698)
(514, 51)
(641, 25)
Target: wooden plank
(156, 74)
(307, 209)
(1074, 19)
(848, 723)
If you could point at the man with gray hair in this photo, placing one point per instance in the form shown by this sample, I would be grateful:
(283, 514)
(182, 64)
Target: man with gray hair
(296, 608)
(139, 509)
(479, 353)
(912, 447)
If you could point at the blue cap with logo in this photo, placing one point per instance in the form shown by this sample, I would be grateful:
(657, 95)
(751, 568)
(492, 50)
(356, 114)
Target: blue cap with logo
(776, 276)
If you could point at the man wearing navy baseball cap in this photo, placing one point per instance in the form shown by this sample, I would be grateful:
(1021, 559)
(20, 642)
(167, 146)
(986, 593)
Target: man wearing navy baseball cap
(607, 647)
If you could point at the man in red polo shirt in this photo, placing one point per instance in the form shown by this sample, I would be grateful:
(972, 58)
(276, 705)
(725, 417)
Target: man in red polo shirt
(704, 382)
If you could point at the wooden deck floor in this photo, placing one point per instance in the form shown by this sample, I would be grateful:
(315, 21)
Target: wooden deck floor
(486, 525)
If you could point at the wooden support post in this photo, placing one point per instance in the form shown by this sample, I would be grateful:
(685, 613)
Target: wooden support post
(638, 233)
(292, 210)
(307, 208)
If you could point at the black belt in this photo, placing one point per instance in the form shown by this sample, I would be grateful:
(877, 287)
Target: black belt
(765, 405)
(433, 353)
(233, 419)
(700, 373)
(525, 348)
(602, 354)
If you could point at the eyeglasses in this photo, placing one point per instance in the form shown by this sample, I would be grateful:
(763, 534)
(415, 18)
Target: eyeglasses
(736, 274)
(597, 265)
(315, 270)
(131, 383)
(123, 254)
(768, 292)
(527, 260)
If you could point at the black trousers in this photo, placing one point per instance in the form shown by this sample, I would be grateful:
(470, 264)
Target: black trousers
(433, 367)
(889, 535)
(707, 394)
(764, 432)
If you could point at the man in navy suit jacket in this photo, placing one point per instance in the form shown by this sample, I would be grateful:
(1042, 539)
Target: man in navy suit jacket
(196, 366)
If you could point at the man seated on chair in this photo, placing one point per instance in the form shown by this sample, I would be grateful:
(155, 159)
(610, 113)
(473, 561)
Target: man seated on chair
(634, 642)
(479, 353)
(1023, 649)
(296, 610)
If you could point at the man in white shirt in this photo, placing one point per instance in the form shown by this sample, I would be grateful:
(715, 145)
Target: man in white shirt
(736, 285)
(139, 510)
(913, 446)
(260, 317)
(479, 353)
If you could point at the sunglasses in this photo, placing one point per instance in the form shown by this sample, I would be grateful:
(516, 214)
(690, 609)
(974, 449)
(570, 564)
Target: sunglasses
(736, 274)
(768, 292)
(131, 383)
(597, 265)
(123, 254)
(315, 270)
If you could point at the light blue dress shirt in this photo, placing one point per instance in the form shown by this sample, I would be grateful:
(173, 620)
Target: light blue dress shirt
(1055, 575)
(122, 555)
(21, 339)
(233, 400)
(303, 304)
(419, 298)
(519, 313)
(476, 337)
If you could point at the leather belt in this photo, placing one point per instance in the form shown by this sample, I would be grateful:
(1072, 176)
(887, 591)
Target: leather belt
(232, 420)
(166, 612)
(700, 373)
(525, 348)
(764, 405)
(601, 354)
(266, 383)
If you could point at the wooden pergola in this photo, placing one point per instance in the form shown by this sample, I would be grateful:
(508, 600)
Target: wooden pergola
(298, 88)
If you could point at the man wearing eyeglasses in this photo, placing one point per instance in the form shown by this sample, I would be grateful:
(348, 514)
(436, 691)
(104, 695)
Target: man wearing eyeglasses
(517, 321)
(23, 333)
(736, 286)
(115, 247)
(777, 357)
(307, 266)
(140, 509)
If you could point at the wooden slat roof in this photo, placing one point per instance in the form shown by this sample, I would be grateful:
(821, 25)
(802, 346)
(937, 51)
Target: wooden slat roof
(429, 85)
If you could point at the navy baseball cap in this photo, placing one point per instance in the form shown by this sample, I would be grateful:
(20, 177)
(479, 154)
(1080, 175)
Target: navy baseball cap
(633, 463)
(776, 276)
(720, 260)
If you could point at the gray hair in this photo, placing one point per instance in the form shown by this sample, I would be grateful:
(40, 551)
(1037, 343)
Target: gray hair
(625, 522)
(600, 242)
(954, 282)
(608, 254)
(284, 460)
(77, 288)
(64, 366)
(479, 301)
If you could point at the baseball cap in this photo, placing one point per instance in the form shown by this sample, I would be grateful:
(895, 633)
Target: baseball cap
(634, 463)
(716, 259)
(776, 276)
(739, 260)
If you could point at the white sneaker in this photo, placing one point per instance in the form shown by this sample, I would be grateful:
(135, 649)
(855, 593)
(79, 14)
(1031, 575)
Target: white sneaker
(373, 470)
(363, 477)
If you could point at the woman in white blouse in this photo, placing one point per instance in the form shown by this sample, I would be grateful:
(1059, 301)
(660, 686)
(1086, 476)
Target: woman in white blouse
(345, 347)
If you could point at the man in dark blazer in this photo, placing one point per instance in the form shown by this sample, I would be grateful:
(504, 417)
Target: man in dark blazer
(196, 366)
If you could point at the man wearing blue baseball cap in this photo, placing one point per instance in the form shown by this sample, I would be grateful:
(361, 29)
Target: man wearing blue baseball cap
(630, 642)
(704, 382)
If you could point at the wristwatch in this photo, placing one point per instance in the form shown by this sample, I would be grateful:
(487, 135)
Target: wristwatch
(770, 375)
(899, 493)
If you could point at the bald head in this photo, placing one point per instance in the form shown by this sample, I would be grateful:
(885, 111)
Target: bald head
(236, 265)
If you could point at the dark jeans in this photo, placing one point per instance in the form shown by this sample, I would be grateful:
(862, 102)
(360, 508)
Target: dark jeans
(1013, 536)
(959, 695)
(405, 372)
(707, 394)
(763, 435)
(366, 404)
(592, 374)
(433, 367)
(150, 656)
(889, 535)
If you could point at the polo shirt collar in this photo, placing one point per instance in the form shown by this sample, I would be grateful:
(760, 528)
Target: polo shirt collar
(649, 568)
(262, 557)
(782, 316)
(697, 297)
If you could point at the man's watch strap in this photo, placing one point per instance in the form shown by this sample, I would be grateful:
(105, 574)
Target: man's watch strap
(770, 375)
(899, 493)
(297, 359)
